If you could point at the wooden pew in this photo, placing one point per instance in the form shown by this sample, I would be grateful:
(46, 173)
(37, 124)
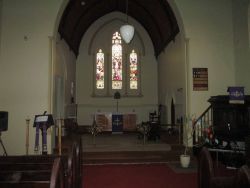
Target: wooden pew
(79, 164)
(22, 168)
(34, 169)
(38, 179)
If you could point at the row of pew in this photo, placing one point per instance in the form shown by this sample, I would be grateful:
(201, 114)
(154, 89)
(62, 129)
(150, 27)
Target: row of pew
(208, 176)
(42, 171)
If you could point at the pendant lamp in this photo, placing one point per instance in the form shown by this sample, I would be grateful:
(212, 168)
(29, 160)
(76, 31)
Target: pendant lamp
(127, 31)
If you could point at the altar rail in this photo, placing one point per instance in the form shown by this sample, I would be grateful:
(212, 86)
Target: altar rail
(86, 112)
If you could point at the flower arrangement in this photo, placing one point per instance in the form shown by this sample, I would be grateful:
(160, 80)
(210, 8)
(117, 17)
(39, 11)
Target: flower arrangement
(95, 129)
(209, 135)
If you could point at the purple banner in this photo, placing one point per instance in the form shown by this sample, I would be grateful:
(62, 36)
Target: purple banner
(44, 139)
(236, 95)
(37, 139)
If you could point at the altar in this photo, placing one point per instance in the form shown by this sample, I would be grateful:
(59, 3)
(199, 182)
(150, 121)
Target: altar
(116, 122)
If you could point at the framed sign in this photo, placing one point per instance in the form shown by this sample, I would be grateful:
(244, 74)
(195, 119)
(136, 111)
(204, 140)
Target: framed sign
(200, 79)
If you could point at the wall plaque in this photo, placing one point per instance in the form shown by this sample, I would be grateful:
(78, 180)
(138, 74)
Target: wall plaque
(200, 79)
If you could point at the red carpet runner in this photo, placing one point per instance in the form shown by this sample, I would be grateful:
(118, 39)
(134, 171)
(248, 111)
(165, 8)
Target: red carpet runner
(136, 176)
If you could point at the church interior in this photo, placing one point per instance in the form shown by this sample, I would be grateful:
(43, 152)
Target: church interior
(79, 92)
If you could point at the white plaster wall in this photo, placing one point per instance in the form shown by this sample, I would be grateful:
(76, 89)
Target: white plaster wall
(208, 26)
(172, 73)
(248, 23)
(241, 43)
(88, 105)
(171, 69)
(24, 66)
(65, 69)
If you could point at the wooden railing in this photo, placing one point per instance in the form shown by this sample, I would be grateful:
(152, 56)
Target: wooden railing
(200, 125)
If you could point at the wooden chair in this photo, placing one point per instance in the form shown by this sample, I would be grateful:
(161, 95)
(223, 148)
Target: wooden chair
(154, 125)
(156, 116)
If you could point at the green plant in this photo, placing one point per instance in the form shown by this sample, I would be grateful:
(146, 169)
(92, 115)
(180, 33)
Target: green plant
(188, 124)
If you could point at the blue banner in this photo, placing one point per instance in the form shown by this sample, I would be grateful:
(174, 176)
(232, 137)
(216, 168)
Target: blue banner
(117, 123)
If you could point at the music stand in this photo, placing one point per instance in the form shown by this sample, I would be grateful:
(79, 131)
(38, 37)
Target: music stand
(42, 122)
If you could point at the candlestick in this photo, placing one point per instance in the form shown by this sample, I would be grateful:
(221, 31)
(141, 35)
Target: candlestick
(59, 136)
(27, 135)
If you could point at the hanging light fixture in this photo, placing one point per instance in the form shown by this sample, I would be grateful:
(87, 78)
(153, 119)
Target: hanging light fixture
(127, 30)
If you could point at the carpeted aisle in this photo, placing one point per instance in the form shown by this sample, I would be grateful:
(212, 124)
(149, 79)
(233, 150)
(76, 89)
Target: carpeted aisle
(136, 176)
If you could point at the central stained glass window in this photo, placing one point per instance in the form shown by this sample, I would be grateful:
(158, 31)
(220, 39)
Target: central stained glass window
(116, 61)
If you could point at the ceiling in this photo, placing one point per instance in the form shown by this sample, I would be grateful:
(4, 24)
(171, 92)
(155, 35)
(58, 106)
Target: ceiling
(156, 16)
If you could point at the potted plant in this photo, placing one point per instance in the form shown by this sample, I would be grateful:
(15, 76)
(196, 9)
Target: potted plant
(185, 158)
(188, 125)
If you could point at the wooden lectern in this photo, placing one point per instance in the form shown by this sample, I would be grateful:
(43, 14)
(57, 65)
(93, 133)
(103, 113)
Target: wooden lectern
(42, 122)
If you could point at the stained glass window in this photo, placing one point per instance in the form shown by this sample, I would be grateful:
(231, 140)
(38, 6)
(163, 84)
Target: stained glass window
(133, 70)
(100, 70)
(116, 61)
(115, 74)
